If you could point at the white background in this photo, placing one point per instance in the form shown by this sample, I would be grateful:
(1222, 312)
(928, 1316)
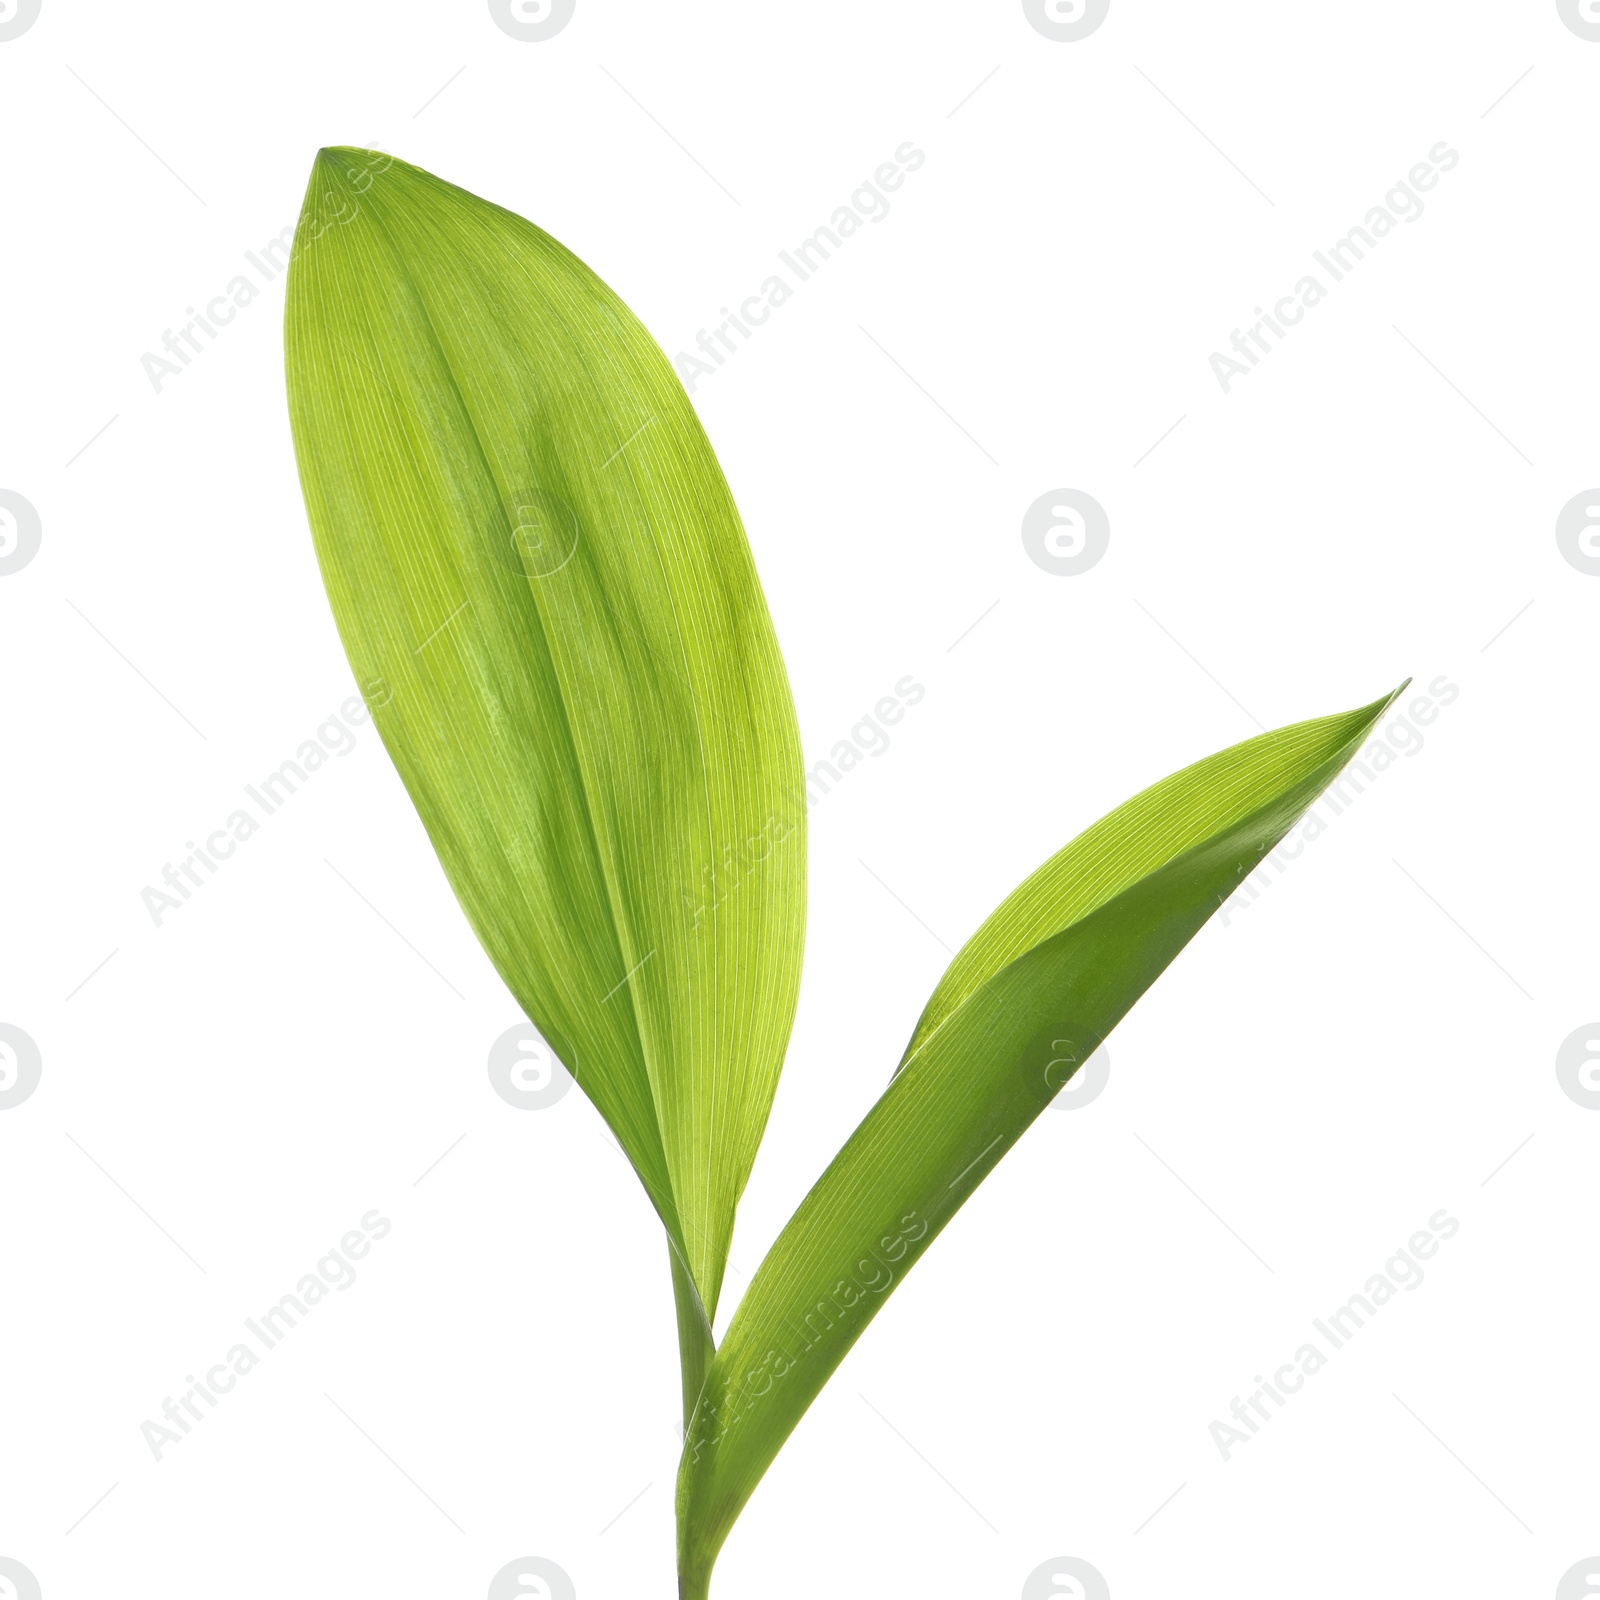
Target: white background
(228, 1093)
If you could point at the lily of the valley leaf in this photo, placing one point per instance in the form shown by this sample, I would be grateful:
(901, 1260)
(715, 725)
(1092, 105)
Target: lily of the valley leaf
(546, 594)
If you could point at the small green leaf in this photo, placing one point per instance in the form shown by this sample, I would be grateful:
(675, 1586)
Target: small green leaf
(1025, 1002)
(545, 591)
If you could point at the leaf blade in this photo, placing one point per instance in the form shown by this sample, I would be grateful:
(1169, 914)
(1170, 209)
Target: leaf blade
(1026, 1001)
(528, 544)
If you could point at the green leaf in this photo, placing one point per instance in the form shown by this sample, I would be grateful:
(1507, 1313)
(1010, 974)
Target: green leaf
(1029, 998)
(548, 600)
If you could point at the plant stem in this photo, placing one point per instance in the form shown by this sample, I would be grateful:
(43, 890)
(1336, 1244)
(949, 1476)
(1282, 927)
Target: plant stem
(695, 1344)
(696, 1348)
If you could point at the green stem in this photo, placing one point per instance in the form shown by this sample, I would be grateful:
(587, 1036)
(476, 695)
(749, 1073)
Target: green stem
(695, 1344)
(696, 1347)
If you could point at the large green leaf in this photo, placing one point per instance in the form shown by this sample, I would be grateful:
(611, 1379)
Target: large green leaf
(1028, 999)
(545, 591)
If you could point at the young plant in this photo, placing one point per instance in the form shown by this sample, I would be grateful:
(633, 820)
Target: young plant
(545, 592)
